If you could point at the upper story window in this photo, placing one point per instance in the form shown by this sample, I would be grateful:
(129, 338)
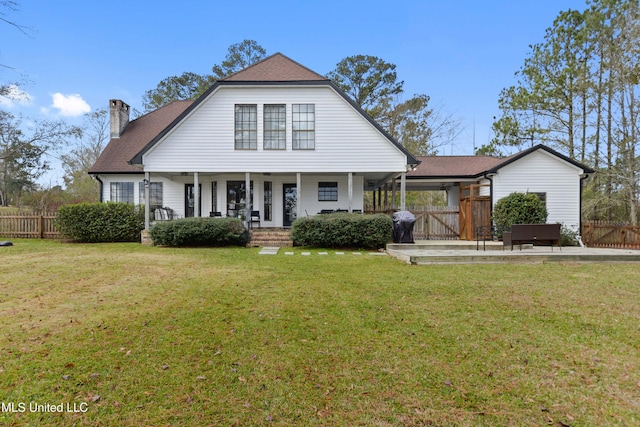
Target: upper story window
(246, 127)
(275, 134)
(122, 192)
(304, 126)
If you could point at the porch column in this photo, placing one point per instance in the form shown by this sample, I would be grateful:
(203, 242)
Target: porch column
(386, 196)
(350, 191)
(247, 198)
(374, 200)
(393, 193)
(196, 195)
(298, 195)
(403, 191)
(147, 209)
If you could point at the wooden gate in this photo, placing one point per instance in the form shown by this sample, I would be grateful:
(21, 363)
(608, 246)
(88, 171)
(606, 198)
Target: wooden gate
(475, 210)
(602, 234)
(435, 222)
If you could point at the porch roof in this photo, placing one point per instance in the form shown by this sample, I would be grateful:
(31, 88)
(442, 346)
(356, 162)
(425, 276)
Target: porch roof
(433, 167)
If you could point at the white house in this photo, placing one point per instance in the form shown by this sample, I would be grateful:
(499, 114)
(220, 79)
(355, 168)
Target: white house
(288, 134)
(483, 180)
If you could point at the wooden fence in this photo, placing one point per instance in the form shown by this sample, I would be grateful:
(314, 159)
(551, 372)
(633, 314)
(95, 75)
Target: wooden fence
(30, 226)
(432, 222)
(603, 234)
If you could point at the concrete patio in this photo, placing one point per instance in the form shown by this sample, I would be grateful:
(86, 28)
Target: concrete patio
(425, 252)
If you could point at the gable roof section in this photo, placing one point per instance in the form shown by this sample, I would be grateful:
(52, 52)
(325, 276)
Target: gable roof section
(276, 69)
(508, 160)
(433, 167)
(117, 154)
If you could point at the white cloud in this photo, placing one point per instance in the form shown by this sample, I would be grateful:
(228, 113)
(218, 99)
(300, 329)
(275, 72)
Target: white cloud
(70, 105)
(14, 95)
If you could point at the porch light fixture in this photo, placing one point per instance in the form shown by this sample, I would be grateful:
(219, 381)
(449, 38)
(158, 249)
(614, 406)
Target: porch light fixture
(146, 182)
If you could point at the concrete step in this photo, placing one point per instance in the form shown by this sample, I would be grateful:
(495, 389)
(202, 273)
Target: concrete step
(444, 245)
(509, 258)
(276, 238)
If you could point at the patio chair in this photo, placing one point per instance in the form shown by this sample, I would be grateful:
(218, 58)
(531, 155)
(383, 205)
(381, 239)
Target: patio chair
(255, 217)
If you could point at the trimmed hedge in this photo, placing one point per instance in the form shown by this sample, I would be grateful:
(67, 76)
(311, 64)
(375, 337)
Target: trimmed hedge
(101, 222)
(200, 232)
(343, 230)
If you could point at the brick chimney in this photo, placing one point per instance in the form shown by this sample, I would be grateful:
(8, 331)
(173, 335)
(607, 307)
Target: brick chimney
(119, 117)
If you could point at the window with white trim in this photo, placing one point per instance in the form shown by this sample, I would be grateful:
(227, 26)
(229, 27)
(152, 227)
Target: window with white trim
(246, 126)
(274, 133)
(303, 121)
(122, 192)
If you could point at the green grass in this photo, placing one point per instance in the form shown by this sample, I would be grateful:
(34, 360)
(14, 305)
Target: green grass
(186, 337)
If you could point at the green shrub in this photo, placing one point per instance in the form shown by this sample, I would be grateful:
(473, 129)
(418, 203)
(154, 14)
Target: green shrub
(568, 236)
(519, 208)
(343, 230)
(200, 232)
(101, 222)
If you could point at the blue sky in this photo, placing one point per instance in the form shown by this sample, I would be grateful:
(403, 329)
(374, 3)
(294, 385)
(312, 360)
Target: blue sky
(82, 53)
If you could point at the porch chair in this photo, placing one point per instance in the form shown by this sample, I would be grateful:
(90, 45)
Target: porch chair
(255, 217)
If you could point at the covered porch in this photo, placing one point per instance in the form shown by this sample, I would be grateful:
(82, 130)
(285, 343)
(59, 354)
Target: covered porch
(467, 207)
(273, 200)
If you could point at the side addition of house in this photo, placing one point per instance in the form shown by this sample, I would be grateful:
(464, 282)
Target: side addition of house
(476, 183)
(276, 139)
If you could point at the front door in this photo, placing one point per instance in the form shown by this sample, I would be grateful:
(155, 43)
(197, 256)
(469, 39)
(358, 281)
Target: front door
(290, 193)
(189, 200)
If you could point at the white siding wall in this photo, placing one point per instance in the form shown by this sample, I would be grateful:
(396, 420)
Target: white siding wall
(540, 172)
(344, 140)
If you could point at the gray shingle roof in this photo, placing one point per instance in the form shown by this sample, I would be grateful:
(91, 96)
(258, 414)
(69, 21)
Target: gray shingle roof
(275, 68)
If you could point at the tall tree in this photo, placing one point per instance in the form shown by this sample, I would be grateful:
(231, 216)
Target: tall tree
(368, 80)
(77, 162)
(421, 129)
(373, 84)
(23, 153)
(9, 90)
(577, 91)
(190, 85)
(543, 106)
(239, 56)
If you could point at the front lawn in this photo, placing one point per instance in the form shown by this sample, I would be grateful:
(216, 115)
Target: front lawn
(122, 334)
